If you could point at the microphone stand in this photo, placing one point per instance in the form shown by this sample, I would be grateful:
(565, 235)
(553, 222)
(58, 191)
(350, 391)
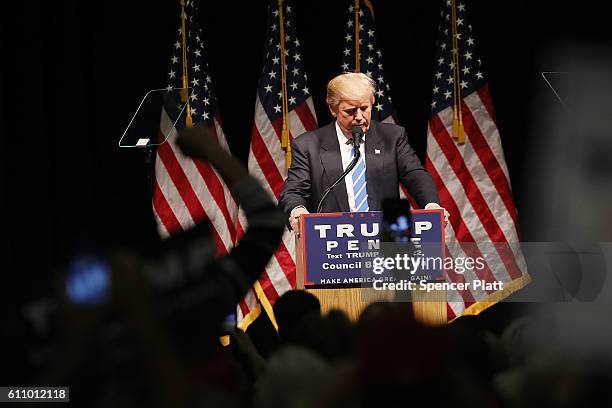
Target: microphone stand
(350, 167)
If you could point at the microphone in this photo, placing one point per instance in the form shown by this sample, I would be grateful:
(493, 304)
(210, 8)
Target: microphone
(357, 135)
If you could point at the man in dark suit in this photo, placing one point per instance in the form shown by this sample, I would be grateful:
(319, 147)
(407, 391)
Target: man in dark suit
(319, 158)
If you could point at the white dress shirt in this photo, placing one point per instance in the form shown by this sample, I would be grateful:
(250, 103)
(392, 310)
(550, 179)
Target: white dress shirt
(346, 151)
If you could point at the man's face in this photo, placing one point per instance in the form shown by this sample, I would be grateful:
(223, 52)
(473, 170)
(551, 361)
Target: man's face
(353, 113)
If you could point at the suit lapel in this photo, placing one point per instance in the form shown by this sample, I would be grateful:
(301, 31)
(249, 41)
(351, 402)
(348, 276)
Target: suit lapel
(374, 165)
(331, 160)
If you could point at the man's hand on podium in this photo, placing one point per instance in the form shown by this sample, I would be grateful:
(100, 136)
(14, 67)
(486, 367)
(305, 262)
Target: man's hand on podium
(435, 206)
(294, 218)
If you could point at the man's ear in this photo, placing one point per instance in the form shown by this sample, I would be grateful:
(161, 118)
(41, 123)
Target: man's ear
(331, 110)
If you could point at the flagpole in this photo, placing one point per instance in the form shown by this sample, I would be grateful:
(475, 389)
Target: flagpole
(357, 53)
(184, 91)
(285, 131)
(454, 63)
(458, 131)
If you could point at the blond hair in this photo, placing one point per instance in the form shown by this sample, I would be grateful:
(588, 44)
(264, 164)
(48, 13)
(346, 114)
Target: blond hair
(350, 86)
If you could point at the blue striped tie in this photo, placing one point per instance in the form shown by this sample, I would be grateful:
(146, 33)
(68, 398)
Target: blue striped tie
(359, 185)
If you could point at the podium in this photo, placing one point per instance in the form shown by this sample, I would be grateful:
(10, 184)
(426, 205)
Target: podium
(336, 237)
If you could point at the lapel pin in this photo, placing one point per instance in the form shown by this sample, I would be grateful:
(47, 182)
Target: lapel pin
(376, 151)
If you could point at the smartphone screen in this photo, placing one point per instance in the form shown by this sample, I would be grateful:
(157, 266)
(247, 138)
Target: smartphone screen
(396, 220)
(88, 280)
(229, 323)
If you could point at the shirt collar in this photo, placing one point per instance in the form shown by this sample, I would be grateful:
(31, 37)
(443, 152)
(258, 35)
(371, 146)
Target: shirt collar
(342, 139)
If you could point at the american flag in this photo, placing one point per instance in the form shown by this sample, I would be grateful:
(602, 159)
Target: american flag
(370, 63)
(187, 191)
(472, 177)
(370, 56)
(267, 160)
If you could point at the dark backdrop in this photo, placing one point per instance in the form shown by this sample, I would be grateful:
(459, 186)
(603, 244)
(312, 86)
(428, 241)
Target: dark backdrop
(74, 72)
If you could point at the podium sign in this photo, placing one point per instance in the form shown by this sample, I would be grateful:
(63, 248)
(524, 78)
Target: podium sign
(343, 250)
